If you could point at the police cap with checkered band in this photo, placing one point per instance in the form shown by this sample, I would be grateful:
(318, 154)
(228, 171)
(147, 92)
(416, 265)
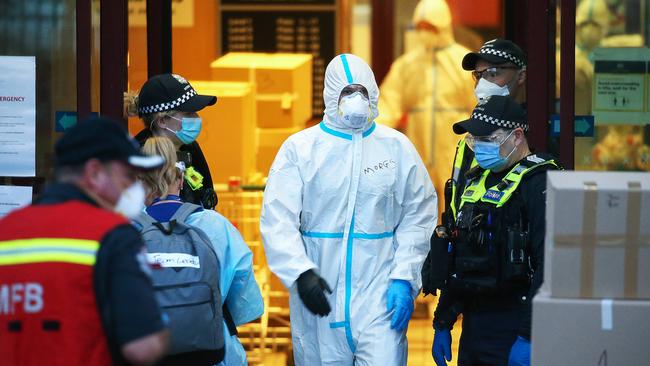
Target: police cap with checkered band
(497, 52)
(491, 114)
(167, 92)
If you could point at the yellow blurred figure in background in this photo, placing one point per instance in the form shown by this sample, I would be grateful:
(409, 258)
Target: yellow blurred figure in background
(429, 86)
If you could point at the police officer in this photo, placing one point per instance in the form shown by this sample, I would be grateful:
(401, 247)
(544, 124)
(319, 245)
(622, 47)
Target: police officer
(493, 243)
(168, 105)
(74, 288)
(498, 68)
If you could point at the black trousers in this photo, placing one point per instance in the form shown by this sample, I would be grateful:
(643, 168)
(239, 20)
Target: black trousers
(487, 336)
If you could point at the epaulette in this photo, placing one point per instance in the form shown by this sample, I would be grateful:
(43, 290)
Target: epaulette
(535, 159)
(474, 172)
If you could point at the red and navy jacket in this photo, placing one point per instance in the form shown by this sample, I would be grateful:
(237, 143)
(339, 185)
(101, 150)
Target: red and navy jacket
(49, 311)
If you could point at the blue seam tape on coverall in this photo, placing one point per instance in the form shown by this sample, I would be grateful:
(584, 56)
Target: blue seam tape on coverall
(346, 67)
(324, 235)
(312, 234)
(348, 288)
(346, 136)
(348, 272)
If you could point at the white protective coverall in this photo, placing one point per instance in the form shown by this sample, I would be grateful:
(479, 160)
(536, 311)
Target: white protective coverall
(358, 207)
(239, 290)
(429, 85)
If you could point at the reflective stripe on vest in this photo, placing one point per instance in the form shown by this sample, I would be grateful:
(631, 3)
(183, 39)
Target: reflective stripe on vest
(42, 250)
(458, 166)
(475, 189)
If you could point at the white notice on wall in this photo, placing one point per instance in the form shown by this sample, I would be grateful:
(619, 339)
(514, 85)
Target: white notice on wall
(17, 116)
(13, 197)
(620, 85)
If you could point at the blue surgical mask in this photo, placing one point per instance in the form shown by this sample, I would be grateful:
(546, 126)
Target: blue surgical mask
(190, 129)
(488, 154)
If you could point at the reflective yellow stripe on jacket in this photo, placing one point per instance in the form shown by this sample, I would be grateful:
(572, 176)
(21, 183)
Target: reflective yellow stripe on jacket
(42, 250)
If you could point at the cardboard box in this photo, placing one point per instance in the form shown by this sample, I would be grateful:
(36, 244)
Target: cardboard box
(597, 235)
(269, 141)
(228, 134)
(586, 332)
(283, 84)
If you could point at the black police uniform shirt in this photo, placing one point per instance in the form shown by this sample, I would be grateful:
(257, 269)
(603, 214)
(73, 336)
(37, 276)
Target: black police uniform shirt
(128, 306)
(200, 164)
(533, 192)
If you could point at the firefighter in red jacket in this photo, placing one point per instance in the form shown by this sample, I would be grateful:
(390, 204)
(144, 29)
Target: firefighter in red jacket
(73, 283)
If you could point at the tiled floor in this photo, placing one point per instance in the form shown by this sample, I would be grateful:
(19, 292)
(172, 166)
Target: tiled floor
(420, 339)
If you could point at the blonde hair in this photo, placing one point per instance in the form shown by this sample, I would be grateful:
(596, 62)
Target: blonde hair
(131, 104)
(158, 181)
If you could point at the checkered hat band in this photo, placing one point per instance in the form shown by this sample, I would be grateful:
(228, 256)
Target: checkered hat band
(504, 55)
(499, 122)
(168, 105)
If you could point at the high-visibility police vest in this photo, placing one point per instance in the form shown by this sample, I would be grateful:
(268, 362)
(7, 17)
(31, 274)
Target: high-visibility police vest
(491, 244)
(500, 193)
(48, 312)
(463, 162)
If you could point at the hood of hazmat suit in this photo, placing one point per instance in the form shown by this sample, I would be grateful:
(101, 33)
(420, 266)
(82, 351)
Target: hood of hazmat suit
(358, 207)
(592, 23)
(430, 88)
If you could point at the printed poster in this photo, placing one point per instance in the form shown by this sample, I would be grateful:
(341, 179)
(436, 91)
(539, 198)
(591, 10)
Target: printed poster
(17, 116)
(620, 86)
(13, 197)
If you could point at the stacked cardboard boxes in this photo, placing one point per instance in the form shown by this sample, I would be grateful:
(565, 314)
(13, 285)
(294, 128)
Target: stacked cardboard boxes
(594, 307)
(228, 129)
(283, 96)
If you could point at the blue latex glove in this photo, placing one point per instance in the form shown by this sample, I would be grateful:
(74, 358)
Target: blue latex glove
(520, 353)
(400, 300)
(441, 349)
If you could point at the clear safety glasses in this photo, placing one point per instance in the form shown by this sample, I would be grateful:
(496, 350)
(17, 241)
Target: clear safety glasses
(495, 138)
(491, 73)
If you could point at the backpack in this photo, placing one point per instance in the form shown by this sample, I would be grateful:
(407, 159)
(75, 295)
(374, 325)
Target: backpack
(187, 282)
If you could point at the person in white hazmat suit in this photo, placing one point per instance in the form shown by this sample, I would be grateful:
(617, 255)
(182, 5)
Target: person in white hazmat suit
(427, 86)
(351, 201)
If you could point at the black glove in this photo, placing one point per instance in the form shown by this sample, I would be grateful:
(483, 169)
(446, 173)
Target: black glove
(311, 288)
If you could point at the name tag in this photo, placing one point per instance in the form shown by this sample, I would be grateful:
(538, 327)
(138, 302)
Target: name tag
(493, 195)
(468, 193)
(174, 260)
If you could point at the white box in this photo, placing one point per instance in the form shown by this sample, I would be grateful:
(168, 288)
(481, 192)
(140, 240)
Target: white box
(597, 235)
(586, 332)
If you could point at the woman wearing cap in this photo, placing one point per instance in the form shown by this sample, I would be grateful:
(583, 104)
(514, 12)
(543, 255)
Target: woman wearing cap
(240, 293)
(168, 106)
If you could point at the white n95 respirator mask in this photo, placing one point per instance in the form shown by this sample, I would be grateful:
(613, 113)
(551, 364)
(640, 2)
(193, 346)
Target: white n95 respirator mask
(354, 111)
(131, 201)
(486, 89)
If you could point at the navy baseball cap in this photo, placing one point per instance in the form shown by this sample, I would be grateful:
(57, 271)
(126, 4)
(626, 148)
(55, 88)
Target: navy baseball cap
(103, 139)
(491, 114)
(497, 51)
